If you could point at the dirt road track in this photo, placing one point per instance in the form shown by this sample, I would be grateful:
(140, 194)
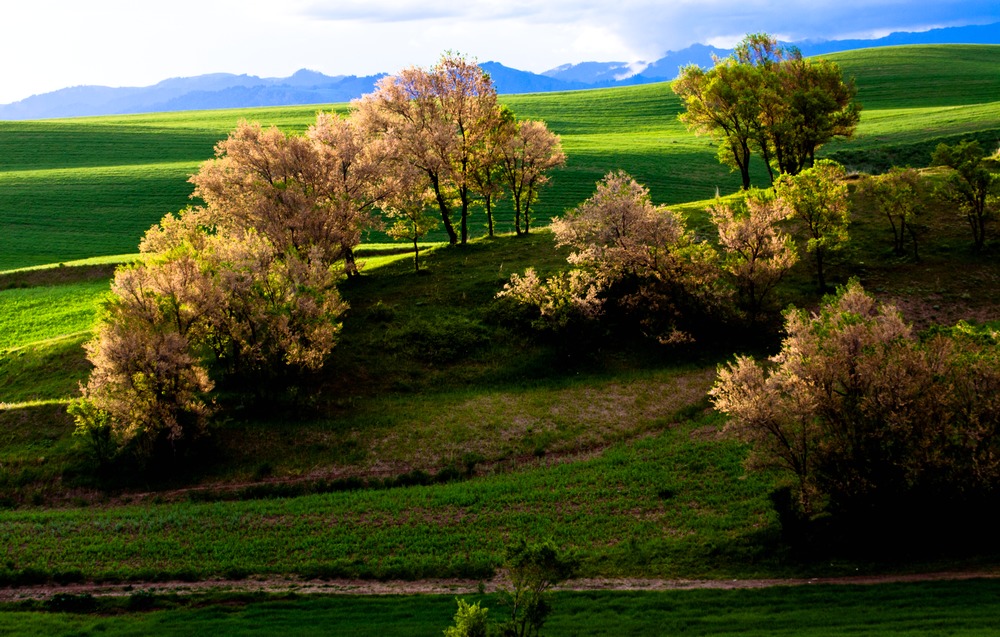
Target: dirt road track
(456, 586)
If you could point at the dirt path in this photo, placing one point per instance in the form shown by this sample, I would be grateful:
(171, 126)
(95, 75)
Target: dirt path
(457, 586)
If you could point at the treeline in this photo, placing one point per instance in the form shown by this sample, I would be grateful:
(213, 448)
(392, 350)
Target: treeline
(240, 293)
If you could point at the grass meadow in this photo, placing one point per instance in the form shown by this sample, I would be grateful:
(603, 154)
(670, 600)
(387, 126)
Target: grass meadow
(445, 428)
(91, 186)
(937, 608)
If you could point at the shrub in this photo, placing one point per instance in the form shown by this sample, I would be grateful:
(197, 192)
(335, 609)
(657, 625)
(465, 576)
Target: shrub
(532, 569)
(470, 621)
(872, 422)
(632, 261)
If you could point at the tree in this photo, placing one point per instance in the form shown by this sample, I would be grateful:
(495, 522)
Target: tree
(525, 159)
(971, 185)
(438, 120)
(757, 254)
(532, 569)
(358, 175)
(828, 373)
(821, 107)
(618, 232)
(868, 419)
(900, 195)
(562, 300)
(146, 389)
(629, 255)
(308, 192)
(409, 210)
(818, 197)
(243, 288)
(470, 621)
(203, 300)
(720, 103)
(488, 174)
(769, 99)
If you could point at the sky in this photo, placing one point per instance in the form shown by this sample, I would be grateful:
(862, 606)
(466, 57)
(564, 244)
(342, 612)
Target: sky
(53, 44)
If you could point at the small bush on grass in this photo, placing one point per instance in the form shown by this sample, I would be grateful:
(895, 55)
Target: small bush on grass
(470, 621)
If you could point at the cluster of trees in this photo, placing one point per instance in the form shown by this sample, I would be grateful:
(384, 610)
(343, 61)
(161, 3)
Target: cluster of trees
(629, 255)
(242, 289)
(767, 99)
(448, 130)
(870, 420)
(637, 260)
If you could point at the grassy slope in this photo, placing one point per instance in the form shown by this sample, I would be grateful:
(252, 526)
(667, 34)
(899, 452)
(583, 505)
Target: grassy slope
(85, 187)
(917, 96)
(408, 391)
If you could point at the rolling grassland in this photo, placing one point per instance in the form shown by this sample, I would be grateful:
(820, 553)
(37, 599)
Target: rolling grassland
(442, 431)
(91, 186)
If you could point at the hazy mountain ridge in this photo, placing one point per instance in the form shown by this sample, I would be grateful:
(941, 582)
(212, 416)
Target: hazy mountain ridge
(225, 90)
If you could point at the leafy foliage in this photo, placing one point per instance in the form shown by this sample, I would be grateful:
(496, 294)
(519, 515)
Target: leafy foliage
(818, 198)
(869, 420)
(470, 621)
(757, 253)
(437, 121)
(900, 193)
(972, 187)
(532, 568)
(770, 99)
(628, 254)
(527, 153)
(244, 285)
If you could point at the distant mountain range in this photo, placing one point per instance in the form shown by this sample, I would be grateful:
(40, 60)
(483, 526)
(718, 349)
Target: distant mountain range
(224, 90)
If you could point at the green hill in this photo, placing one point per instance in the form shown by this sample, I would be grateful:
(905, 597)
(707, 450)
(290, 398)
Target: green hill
(441, 429)
(91, 186)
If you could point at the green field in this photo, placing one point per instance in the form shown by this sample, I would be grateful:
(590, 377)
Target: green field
(91, 186)
(444, 428)
(942, 608)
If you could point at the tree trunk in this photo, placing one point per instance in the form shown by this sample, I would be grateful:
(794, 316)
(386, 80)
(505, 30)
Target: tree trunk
(464, 196)
(489, 215)
(741, 156)
(350, 265)
(913, 236)
(443, 206)
(821, 279)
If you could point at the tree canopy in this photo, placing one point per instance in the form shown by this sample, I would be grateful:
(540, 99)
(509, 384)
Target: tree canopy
(439, 120)
(866, 417)
(768, 99)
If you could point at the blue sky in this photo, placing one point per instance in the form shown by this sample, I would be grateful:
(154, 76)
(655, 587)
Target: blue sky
(51, 44)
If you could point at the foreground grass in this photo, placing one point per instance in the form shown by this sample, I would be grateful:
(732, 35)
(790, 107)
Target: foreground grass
(673, 505)
(936, 608)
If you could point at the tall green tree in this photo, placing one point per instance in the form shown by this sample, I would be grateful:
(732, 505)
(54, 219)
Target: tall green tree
(720, 103)
(768, 99)
(971, 185)
(818, 197)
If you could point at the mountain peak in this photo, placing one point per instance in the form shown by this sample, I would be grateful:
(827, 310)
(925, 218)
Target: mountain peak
(306, 86)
